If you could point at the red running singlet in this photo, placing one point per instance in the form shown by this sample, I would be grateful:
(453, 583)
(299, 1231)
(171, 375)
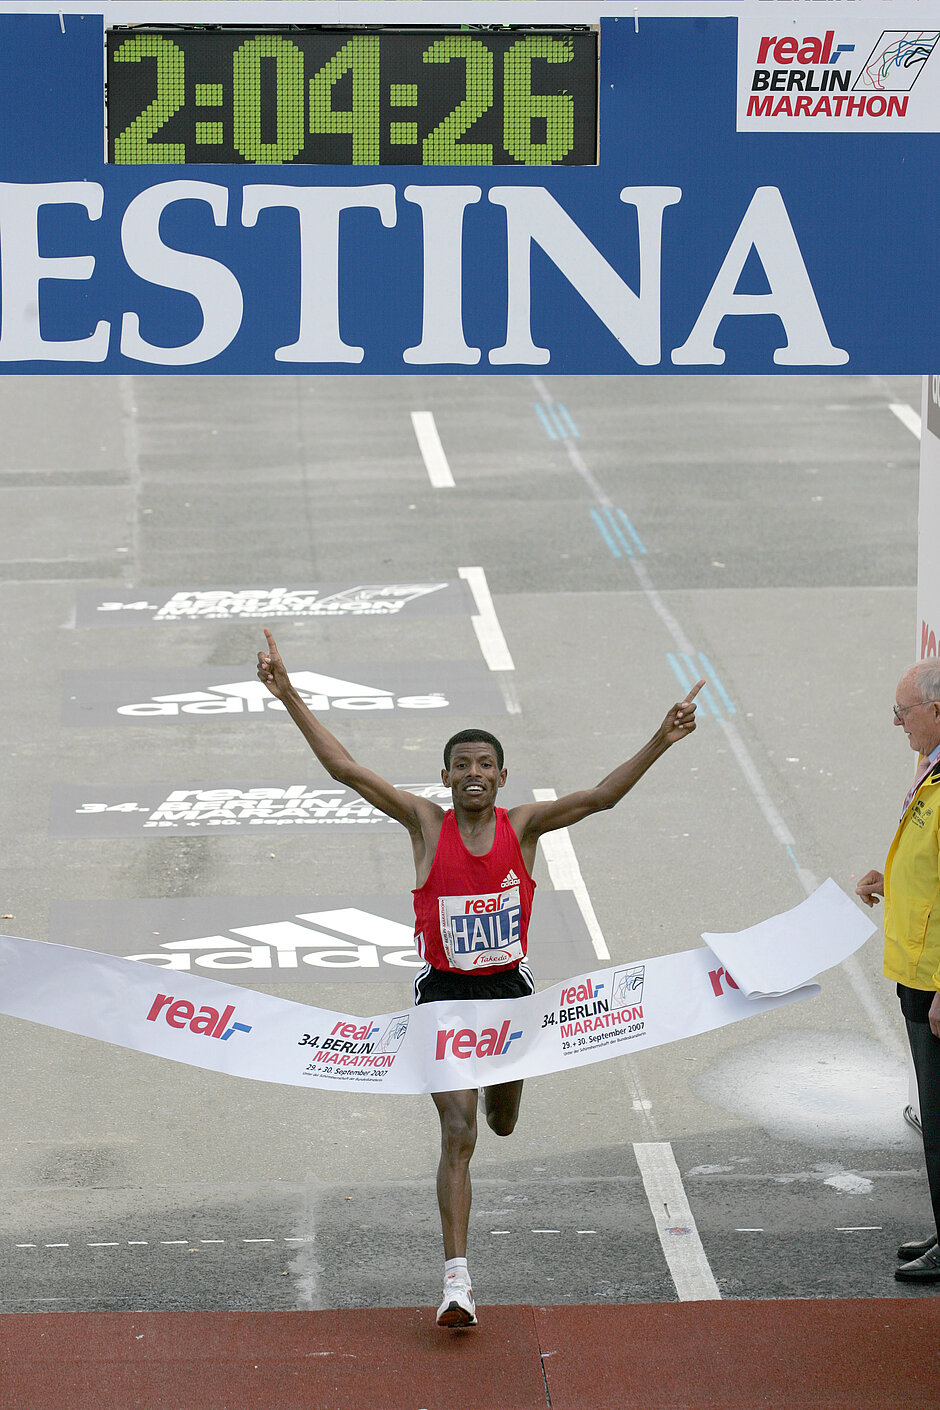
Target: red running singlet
(472, 913)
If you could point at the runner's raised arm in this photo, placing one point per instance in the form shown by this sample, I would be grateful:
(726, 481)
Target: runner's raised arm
(532, 820)
(406, 808)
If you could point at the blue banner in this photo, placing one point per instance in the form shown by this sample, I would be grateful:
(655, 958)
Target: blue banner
(691, 247)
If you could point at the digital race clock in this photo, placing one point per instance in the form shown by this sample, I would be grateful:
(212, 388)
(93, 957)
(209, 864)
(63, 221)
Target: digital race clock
(428, 97)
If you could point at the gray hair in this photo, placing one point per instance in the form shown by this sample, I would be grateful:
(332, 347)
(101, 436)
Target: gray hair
(925, 678)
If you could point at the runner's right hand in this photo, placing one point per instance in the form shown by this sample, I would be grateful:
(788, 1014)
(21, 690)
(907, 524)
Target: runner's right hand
(271, 669)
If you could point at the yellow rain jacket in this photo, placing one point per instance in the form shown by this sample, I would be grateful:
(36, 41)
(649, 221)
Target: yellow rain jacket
(912, 891)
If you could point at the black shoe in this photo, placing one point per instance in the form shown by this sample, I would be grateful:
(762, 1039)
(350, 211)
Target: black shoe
(925, 1269)
(916, 1248)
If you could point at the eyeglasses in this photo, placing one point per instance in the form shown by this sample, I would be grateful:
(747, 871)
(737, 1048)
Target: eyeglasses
(901, 710)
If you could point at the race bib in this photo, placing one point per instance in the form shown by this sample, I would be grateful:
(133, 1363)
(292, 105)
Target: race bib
(482, 932)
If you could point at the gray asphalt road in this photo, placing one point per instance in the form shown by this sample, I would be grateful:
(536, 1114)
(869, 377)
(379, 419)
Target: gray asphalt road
(763, 528)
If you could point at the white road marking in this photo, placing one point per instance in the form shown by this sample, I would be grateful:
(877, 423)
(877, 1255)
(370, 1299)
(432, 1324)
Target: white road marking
(184, 1243)
(907, 416)
(858, 1229)
(486, 623)
(566, 874)
(688, 1266)
(432, 452)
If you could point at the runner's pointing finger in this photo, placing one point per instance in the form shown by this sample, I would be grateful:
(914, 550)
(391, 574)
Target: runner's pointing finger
(694, 691)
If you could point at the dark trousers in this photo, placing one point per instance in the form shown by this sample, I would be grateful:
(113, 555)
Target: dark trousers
(925, 1050)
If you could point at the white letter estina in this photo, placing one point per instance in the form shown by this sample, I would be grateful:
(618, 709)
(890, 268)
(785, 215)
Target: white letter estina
(443, 223)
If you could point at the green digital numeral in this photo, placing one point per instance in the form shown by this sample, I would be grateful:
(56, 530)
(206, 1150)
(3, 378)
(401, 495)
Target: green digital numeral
(403, 95)
(135, 145)
(209, 134)
(361, 56)
(209, 95)
(521, 105)
(246, 110)
(443, 147)
(403, 134)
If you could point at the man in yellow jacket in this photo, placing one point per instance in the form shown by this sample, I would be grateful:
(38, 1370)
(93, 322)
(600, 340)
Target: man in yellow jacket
(911, 890)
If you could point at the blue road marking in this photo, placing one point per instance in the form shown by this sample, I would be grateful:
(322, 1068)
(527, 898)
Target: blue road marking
(792, 855)
(605, 534)
(632, 532)
(566, 420)
(617, 532)
(678, 672)
(686, 672)
(712, 674)
(705, 694)
(612, 524)
(557, 422)
(546, 424)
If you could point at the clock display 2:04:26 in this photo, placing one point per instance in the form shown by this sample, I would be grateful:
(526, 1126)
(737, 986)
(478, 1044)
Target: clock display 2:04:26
(372, 99)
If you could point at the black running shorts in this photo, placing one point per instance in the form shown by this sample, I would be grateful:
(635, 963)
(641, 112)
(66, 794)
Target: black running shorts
(434, 985)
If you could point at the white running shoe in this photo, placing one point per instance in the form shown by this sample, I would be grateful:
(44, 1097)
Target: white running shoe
(458, 1308)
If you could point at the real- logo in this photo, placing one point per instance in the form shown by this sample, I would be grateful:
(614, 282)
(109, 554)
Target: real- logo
(814, 75)
(586, 1009)
(466, 1042)
(209, 1022)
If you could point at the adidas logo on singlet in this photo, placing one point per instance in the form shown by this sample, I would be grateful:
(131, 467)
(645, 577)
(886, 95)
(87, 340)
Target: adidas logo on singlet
(510, 879)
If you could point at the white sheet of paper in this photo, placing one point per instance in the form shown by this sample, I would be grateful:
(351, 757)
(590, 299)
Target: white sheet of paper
(781, 954)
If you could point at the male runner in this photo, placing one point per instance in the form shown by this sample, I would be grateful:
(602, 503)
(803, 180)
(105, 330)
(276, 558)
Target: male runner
(474, 850)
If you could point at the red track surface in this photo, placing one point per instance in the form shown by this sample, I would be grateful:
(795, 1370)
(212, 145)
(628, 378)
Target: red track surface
(872, 1353)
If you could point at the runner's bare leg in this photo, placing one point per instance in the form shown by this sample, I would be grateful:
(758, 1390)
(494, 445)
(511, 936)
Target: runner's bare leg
(502, 1107)
(458, 1116)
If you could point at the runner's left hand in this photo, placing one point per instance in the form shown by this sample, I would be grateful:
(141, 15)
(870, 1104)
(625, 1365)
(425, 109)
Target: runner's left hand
(681, 718)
